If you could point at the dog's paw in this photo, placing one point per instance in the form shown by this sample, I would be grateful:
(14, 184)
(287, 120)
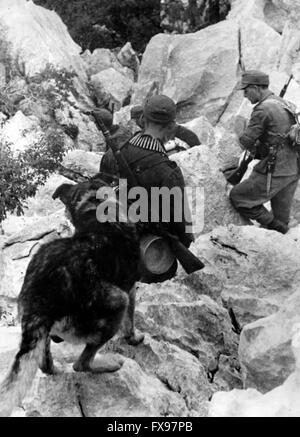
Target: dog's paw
(101, 365)
(134, 339)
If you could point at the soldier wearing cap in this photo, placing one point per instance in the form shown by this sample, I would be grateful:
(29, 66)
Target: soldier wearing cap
(147, 157)
(180, 132)
(276, 176)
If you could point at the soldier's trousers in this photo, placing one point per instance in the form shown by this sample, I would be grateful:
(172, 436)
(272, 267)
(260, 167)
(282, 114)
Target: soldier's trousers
(249, 196)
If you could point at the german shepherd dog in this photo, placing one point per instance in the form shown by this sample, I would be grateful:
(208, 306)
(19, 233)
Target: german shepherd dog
(78, 289)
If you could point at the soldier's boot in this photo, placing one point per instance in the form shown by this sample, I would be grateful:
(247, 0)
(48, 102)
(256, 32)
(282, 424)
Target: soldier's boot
(278, 225)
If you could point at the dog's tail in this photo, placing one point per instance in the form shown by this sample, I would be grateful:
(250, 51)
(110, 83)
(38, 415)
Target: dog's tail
(19, 379)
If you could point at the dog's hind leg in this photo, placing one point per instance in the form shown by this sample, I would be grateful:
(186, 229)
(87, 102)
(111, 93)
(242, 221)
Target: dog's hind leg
(131, 336)
(46, 362)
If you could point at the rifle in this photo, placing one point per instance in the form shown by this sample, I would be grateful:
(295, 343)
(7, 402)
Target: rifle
(72, 174)
(122, 163)
(187, 259)
(236, 174)
(283, 91)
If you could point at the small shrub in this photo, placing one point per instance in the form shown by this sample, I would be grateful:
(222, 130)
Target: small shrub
(20, 176)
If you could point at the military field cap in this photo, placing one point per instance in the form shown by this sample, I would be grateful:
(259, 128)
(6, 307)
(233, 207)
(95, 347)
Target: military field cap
(160, 109)
(136, 111)
(253, 77)
(105, 115)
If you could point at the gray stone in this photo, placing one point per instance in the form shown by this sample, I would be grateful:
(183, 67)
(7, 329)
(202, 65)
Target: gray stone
(282, 401)
(265, 349)
(201, 170)
(198, 80)
(176, 368)
(174, 313)
(259, 268)
(110, 85)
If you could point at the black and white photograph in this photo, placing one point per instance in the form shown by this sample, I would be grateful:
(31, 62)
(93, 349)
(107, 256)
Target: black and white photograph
(150, 211)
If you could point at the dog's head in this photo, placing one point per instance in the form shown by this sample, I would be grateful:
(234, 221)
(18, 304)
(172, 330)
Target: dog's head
(88, 202)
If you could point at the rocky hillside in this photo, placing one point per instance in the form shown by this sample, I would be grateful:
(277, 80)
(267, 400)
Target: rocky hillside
(220, 342)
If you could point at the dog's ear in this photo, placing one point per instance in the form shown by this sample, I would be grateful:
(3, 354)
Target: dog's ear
(64, 193)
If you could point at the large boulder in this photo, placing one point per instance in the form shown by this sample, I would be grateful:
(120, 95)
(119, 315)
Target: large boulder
(181, 371)
(259, 268)
(273, 12)
(206, 188)
(282, 401)
(110, 85)
(265, 349)
(202, 82)
(283, 17)
(86, 163)
(203, 129)
(198, 80)
(23, 23)
(181, 315)
(102, 59)
(129, 392)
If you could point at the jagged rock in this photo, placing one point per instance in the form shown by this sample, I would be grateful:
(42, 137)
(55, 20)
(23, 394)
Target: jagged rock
(207, 188)
(102, 59)
(255, 55)
(206, 87)
(20, 132)
(110, 85)
(203, 129)
(178, 369)
(41, 205)
(265, 347)
(128, 58)
(86, 163)
(259, 268)
(198, 80)
(271, 12)
(282, 401)
(289, 53)
(20, 247)
(281, 15)
(23, 23)
(89, 137)
(129, 392)
(175, 313)
(226, 147)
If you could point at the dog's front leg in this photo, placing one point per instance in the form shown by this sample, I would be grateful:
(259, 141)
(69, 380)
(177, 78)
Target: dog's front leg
(130, 335)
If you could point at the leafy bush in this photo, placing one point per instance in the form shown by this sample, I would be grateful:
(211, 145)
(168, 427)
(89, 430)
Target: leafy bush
(20, 176)
(52, 86)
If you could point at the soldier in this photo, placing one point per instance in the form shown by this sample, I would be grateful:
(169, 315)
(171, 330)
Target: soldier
(180, 132)
(148, 160)
(276, 176)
